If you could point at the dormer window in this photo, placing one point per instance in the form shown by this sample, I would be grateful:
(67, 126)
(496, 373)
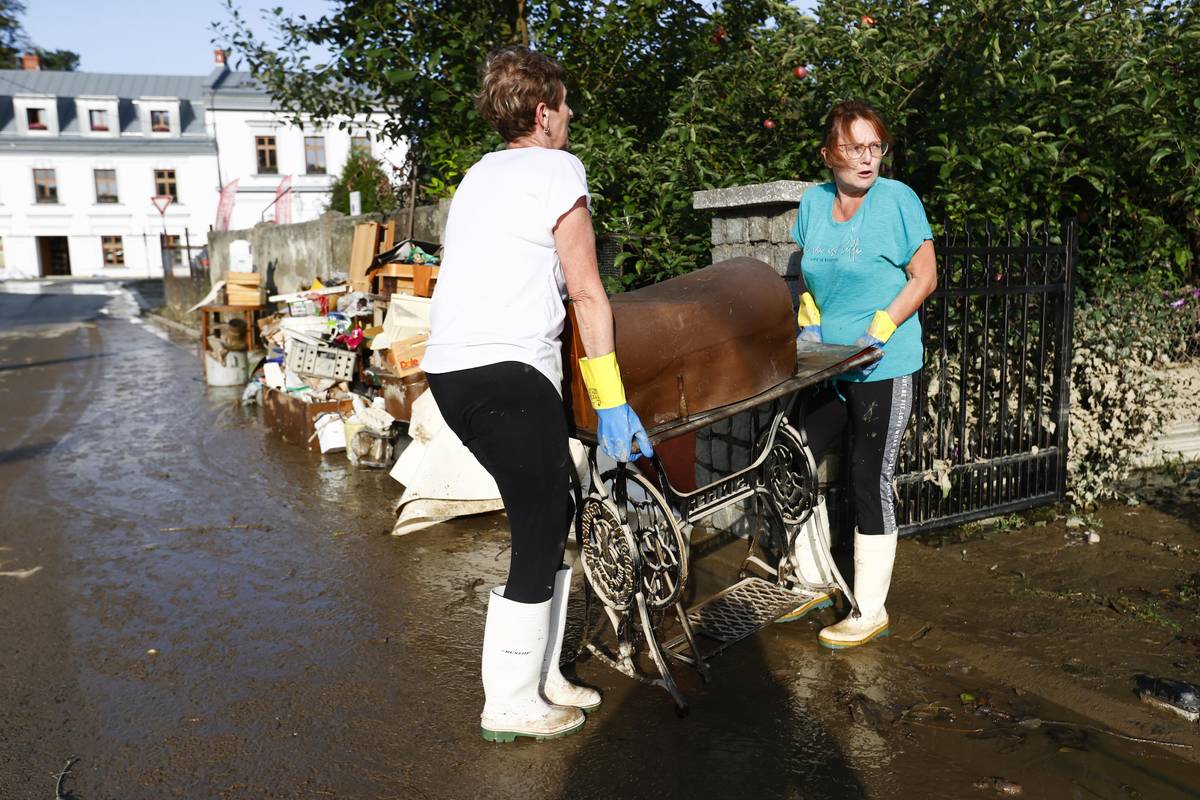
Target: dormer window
(160, 121)
(98, 119)
(36, 118)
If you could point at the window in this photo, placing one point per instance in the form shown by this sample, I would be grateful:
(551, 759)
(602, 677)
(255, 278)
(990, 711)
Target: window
(264, 151)
(113, 248)
(45, 187)
(171, 249)
(164, 184)
(314, 155)
(106, 186)
(160, 121)
(98, 119)
(360, 144)
(36, 119)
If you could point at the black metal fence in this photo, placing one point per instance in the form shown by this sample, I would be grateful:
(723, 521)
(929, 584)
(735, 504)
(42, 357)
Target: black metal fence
(991, 418)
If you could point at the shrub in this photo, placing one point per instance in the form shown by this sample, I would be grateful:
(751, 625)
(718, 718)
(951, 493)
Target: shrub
(363, 174)
(1119, 397)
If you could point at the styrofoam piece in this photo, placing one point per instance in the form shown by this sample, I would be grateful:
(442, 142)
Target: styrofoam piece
(273, 375)
(407, 316)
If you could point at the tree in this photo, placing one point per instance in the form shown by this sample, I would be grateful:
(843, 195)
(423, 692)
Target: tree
(14, 42)
(1004, 110)
(363, 174)
(60, 60)
(12, 38)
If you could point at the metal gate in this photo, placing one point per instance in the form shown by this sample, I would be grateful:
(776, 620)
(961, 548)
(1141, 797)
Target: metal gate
(990, 423)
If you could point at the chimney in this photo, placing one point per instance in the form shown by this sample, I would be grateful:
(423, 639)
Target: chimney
(31, 62)
(219, 57)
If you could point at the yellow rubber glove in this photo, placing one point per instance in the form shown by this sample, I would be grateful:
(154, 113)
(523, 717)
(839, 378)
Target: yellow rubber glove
(881, 326)
(617, 424)
(808, 314)
(808, 317)
(602, 377)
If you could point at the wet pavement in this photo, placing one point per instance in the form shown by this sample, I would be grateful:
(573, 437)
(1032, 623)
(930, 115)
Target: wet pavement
(195, 609)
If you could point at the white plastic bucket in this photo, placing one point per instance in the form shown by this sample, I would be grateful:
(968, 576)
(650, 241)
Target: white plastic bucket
(231, 373)
(331, 433)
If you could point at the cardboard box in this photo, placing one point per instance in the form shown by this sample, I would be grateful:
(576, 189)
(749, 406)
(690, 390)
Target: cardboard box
(404, 356)
(243, 279)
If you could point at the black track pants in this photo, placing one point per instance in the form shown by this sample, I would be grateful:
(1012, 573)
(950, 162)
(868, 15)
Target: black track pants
(877, 413)
(512, 420)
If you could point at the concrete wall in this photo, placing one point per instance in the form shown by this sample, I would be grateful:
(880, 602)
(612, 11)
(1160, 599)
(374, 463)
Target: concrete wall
(319, 248)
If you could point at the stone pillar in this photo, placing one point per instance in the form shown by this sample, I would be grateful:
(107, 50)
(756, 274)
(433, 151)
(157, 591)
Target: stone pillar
(754, 221)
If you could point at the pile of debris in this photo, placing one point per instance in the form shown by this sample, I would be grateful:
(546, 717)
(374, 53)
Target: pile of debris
(337, 365)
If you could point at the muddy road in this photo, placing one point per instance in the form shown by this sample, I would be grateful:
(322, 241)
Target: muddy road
(194, 609)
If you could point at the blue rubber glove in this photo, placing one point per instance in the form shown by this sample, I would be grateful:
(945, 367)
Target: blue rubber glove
(879, 331)
(618, 426)
(810, 333)
(867, 340)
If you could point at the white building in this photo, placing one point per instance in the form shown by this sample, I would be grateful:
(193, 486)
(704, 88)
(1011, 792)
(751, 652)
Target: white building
(82, 155)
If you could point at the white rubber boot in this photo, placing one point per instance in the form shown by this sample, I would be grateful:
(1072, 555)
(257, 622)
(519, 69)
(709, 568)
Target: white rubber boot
(556, 688)
(874, 557)
(514, 647)
(813, 562)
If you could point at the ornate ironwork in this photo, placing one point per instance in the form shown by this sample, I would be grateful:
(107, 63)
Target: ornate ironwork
(661, 546)
(791, 477)
(608, 550)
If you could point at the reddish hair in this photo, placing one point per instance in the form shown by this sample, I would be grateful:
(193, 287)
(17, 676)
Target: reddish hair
(841, 118)
(515, 80)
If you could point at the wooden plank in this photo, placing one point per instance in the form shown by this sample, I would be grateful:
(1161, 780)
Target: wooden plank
(243, 279)
(362, 252)
(423, 280)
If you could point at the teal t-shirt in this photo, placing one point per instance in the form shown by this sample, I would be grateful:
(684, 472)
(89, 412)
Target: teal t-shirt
(857, 267)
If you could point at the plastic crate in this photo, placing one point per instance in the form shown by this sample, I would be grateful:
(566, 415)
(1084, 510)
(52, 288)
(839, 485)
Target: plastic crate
(319, 361)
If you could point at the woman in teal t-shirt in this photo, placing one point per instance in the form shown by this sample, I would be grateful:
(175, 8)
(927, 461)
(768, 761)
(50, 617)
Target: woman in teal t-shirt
(868, 265)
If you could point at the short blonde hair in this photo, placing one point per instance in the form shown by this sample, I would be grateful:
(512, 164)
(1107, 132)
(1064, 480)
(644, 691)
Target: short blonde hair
(515, 80)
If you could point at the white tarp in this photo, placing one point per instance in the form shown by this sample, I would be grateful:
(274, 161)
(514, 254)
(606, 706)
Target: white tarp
(441, 478)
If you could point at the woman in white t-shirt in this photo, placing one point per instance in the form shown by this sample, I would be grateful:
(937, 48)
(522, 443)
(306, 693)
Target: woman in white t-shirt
(518, 242)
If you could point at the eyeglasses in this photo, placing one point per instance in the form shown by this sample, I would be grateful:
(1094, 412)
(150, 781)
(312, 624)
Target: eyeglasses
(878, 149)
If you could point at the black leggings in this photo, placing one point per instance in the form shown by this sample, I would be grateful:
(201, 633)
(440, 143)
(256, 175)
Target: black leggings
(512, 420)
(877, 412)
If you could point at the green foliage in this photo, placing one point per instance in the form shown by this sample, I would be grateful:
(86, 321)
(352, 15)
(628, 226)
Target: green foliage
(1121, 388)
(363, 174)
(1002, 109)
(14, 42)
(12, 38)
(60, 60)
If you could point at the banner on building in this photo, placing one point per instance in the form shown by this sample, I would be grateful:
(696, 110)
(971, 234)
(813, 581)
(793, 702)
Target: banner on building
(225, 205)
(283, 201)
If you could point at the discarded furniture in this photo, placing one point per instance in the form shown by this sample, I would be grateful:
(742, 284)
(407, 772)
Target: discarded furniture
(214, 316)
(694, 351)
(295, 420)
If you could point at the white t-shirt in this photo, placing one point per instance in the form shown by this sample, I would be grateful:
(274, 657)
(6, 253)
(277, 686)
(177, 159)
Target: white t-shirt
(500, 291)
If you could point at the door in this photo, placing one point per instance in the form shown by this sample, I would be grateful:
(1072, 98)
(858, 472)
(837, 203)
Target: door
(53, 255)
